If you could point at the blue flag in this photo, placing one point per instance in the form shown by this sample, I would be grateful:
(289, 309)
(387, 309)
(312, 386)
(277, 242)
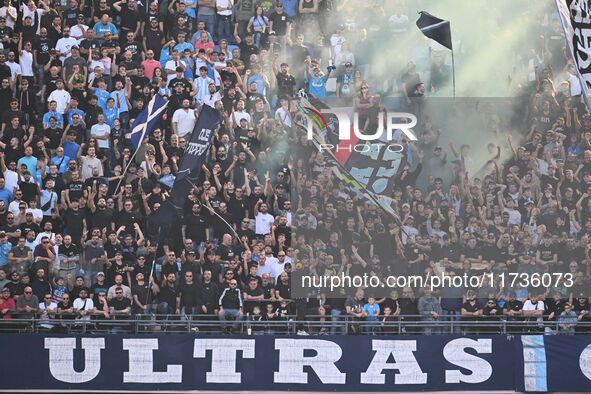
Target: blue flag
(190, 166)
(145, 121)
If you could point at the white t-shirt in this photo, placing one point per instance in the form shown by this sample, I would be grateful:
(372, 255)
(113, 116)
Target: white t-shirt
(15, 68)
(171, 65)
(185, 121)
(10, 179)
(80, 305)
(44, 234)
(241, 115)
(4, 13)
(61, 97)
(100, 131)
(64, 45)
(37, 213)
(76, 31)
(263, 223)
(26, 61)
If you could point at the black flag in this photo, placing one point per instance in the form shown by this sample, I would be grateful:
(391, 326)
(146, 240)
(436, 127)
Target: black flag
(435, 28)
(190, 167)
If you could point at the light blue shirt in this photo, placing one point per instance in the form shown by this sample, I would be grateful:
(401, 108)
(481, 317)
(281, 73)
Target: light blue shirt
(63, 167)
(71, 150)
(318, 86)
(260, 85)
(371, 310)
(102, 97)
(101, 29)
(31, 164)
(6, 196)
(58, 116)
(190, 11)
(110, 116)
(4, 250)
(71, 112)
(122, 101)
(45, 197)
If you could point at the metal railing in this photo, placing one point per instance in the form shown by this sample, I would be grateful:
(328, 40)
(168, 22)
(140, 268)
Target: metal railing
(288, 325)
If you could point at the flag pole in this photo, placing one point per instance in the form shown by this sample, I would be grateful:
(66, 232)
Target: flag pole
(453, 72)
(126, 168)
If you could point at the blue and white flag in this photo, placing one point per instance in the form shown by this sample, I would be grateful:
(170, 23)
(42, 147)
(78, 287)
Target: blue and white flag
(146, 119)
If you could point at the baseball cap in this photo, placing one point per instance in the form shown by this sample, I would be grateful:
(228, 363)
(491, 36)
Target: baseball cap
(281, 185)
(100, 273)
(272, 32)
(348, 64)
(192, 253)
(6, 289)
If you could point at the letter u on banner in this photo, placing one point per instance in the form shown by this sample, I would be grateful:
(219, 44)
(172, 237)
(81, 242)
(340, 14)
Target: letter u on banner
(61, 358)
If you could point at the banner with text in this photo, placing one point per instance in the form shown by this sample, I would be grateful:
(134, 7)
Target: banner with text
(341, 363)
(575, 16)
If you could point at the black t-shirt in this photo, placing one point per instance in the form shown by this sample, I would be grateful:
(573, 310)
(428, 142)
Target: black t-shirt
(121, 304)
(285, 84)
(279, 22)
(43, 46)
(189, 295)
(154, 41)
(75, 190)
(179, 81)
(196, 226)
(469, 307)
(247, 50)
(284, 290)
(546, 252)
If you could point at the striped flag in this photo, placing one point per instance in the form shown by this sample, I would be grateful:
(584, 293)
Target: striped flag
(146, 119)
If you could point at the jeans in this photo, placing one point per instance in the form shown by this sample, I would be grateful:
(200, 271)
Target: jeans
(335, 318)
(371, 326)
(242, 25)
(124, 119)
(224, 28)
(230, 312)
(209, 23)
(451, 318)
(165, 309)
(41, 77)
(185, 312)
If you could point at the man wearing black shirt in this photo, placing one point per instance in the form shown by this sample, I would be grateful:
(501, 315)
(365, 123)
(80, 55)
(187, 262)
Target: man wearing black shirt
(180, 80)
(187, 301)
(168, 295)
(195, 225)
(41, 48)
(153, 38)
(90, 43)
(247, 48)
(133, 47)
(130, 17)
(279, 20)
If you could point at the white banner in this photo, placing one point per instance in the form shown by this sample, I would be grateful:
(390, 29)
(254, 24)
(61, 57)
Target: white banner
(576, 21)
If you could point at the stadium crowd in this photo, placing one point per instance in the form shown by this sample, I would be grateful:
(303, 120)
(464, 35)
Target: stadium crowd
(76, 196)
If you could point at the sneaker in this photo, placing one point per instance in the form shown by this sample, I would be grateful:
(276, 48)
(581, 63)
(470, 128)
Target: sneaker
(195, 330)
(302, 332)
(38, 94)
(323, 332)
